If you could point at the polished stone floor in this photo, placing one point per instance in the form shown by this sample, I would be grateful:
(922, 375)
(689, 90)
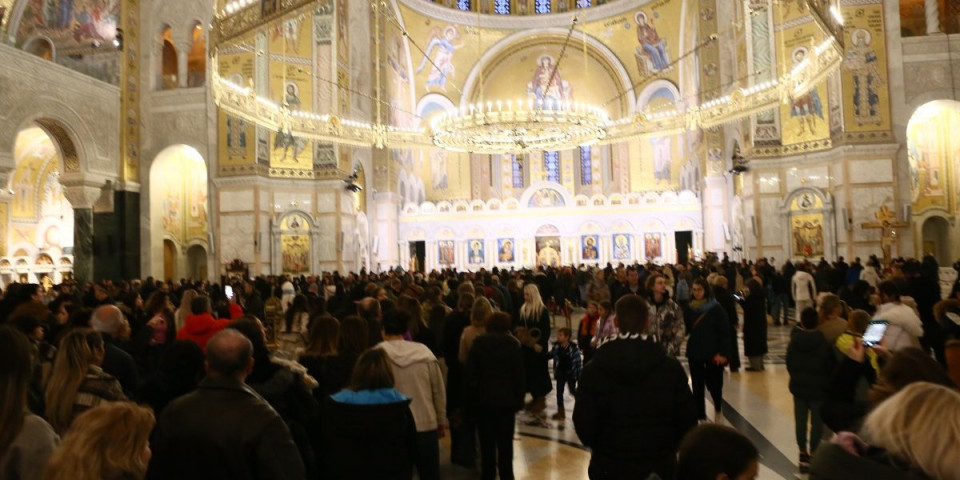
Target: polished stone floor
(757, 404)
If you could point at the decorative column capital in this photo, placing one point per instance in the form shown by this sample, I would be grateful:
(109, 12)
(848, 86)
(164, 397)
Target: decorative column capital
(82, 196)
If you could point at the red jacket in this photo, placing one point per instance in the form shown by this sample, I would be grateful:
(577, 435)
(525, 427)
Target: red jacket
(199, 329)
(236, 311)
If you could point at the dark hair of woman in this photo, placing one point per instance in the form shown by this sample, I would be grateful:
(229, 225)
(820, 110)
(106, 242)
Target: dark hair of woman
(708, 451)
(324, 336)
(251, 327)
(707, 290)
(907, 366)
(15, 368)
(299, 305)
(499, 322)
(372, 371)
(412, 306)
(354, 335)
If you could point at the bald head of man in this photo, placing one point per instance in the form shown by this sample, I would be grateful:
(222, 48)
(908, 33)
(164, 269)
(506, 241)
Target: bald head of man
(109, 320)
(369, 308)
(229, 355)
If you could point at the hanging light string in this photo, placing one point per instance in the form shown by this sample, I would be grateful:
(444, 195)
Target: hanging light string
(245, 48)
(713, 38)
(563, 50)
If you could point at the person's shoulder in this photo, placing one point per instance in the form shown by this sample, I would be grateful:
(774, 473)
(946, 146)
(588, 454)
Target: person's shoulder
(38, 429)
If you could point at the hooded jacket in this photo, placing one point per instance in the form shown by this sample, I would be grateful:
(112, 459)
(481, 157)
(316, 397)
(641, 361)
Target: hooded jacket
(837, 462)
(810, 361)
(633, 407)
(417, 375)
(200, 328)
(904, 329)
(368, 434)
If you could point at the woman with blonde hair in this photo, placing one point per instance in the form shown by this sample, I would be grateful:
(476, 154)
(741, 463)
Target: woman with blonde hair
(831, 323)
(532, 328)
(78, 383)
(180, 316)
(110, 442)
(478, 321)
(913, 434)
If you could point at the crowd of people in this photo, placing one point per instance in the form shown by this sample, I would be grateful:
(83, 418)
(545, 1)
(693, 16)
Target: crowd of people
(360, 375)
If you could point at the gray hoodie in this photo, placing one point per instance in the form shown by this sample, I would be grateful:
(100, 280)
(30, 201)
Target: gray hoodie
(417, 375)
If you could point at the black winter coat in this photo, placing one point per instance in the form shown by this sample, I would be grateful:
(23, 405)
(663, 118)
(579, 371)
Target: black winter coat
(494, 376)
(368, 441)
(755, 324)
(633, 407)
(810, 362)
(832, 462)
(452, 330)
(710, 337)
(223, 431)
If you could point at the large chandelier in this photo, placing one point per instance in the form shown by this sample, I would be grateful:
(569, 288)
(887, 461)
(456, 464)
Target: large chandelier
(499, 126)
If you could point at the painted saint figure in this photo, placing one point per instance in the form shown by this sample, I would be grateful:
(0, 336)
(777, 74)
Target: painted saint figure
(506, 250)
(651, 45)
(476, 252)
(446, 252)
(807, 107)
(621, 247)
(440, 47)
(661, 159)
(590, 248)
(547, 87)
(285, 139)
(862, 62)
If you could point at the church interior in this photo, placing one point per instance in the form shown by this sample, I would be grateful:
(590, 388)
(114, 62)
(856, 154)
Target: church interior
(186, 139)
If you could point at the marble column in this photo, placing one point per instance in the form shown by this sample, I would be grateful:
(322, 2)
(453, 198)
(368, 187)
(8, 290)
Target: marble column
(183, 48)
(713, 200)
(82, 198)
(385, 228)
(931, 9)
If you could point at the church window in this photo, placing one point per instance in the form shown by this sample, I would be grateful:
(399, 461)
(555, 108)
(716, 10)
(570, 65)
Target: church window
(551, 165)
(584, 3)
(463, 5)
(517, 168)
(501, 7)
(541, 6)
(586, 166)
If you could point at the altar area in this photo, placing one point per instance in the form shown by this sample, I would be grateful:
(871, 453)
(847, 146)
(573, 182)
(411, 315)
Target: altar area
(549, 226)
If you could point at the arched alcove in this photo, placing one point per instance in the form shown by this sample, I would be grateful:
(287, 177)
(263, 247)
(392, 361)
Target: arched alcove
(936, 239)
(41, 47)
(197, 267)
(169, 66)
(178, 207)
(197, 57)
(294, 238)
(810, 230)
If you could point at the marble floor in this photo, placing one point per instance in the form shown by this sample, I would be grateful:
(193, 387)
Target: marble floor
(758, 404)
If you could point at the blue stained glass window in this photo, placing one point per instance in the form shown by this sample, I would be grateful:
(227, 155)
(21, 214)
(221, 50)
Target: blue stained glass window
(463, 5)
(551, 164)
(517, 171)
(586, 166)
(541, 6)
(501, 7)
(584, 3)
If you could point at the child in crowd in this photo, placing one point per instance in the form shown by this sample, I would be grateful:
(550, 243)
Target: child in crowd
(810, 361)
(588, 329)
(606, 326)
(566, 367)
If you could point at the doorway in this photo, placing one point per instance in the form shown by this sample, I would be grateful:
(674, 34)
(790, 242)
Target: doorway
(197, 263)
(418, 253)
(936, 235)
(169, 260)
(684, 243)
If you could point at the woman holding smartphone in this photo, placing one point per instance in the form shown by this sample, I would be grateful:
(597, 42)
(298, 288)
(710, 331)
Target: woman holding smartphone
(708, 346)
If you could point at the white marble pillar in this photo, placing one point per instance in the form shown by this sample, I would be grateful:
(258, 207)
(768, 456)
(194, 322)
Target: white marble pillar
(931, 9)
(183, 48)
(713, 200)
(385, 228)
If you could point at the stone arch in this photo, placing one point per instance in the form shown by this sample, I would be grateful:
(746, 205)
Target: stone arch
(176, 206)
(41, 46)
(819, 209)
(70, 134)
(935, 234)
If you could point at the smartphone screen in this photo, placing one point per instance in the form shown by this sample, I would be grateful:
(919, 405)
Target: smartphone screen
(874, 332)
(228, 291)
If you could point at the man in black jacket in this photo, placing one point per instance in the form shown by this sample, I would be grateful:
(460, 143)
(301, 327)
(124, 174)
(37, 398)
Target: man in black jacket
(109, 321)
(224, 429)
(634, 403)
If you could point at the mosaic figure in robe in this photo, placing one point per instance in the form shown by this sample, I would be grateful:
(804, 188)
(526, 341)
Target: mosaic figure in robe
(440, 48)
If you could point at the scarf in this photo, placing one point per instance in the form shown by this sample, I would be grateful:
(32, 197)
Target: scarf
(702, 305)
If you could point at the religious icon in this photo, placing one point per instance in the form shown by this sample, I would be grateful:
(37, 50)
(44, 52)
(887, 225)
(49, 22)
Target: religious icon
(589, 248)
(547, 88)
(236, 136)
(651, 243)
(440, 48)
(476, 252)
(652, 52)
(661, 158)
(546, 197)
(621, 247)
(438, 168)
(295, 253)
(807, 230)
(807, 107)
(268, 7)
(505, 250)
(285, 139)
(862, 62)
(445, 248)
(548, 251)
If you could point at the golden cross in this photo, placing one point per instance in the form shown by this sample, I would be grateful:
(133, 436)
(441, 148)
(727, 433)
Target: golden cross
(886, 222)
